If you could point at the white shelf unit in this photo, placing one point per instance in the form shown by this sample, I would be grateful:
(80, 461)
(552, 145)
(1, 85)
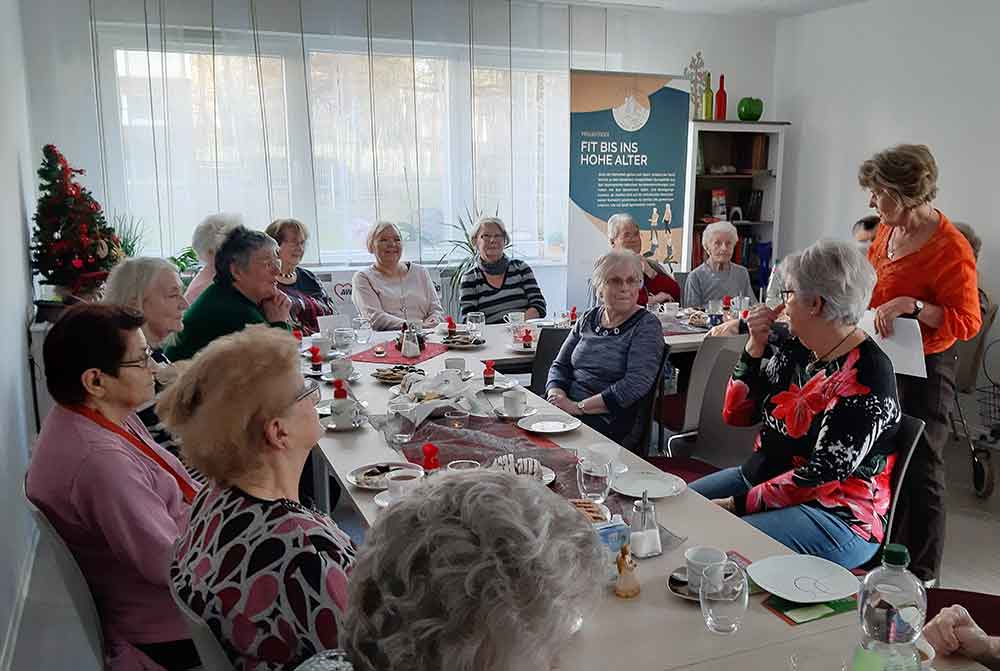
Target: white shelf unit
(730, 143)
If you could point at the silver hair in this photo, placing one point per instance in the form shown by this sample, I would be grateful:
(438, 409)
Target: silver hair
(614, 259)
(376, 230)
(482, 571)
(616, 222)
(209, 235)
(482, 223)
(129, 280)
(836, 272)
(719, 228)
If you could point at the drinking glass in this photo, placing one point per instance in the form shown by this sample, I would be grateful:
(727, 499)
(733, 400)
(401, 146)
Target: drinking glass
(343, 338)
(362, 330)
(724, 594)
(399, 423)
(593, 475)
(464, 465)
(714, 307)
(476, 321)
(457, 419)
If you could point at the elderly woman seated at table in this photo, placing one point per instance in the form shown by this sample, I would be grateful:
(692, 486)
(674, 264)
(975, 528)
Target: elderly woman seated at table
(485, 570)
(243, 292)
(392, 292)
(496, 285)
(208, 237)
(267, 574)
(309, 299)
(117, 499)
(717, 276)
(611, 358)
(152, 286)
(818, 479)
(657, 284)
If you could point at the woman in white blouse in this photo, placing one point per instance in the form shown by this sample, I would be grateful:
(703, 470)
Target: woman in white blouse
(391, 291)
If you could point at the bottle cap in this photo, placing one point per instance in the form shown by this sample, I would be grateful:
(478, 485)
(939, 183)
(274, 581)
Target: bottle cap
(896, 554)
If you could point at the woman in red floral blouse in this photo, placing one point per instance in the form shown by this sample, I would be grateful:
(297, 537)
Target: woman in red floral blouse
(818, 479)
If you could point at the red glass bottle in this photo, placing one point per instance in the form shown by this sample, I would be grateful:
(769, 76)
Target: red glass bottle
(720, 100)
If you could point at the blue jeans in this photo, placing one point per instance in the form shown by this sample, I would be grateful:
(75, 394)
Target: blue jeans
(805, 529)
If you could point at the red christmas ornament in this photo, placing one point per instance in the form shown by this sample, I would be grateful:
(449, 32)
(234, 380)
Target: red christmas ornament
(77, 263)
(90, 260)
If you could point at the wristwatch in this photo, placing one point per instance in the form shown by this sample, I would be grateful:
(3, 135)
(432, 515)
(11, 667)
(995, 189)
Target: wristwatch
(579, 406)
(918, 306)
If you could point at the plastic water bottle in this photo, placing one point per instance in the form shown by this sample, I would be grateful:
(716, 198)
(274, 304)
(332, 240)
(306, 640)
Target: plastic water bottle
(892, 606)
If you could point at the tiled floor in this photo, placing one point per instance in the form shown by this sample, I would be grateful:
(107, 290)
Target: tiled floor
(50, 638)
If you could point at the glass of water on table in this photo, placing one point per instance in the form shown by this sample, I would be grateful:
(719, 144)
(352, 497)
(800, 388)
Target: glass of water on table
(399, 424)
(475, 322)
(362, 329)
(593, 475)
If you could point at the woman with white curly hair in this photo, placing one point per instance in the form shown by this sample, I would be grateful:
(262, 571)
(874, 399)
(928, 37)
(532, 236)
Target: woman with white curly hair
(481, 571)
(207, 238)
(717, 276)
(818, 480)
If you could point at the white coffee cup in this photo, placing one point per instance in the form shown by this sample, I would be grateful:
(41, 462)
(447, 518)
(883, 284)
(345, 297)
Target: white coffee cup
(401, 481)
(455, 363)
(514, 317)
(324, 345)
(670, 309)
(341, 367)
(515, 402)
(698, 559)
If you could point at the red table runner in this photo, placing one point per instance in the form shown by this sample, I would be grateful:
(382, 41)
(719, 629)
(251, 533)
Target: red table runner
(393, 356)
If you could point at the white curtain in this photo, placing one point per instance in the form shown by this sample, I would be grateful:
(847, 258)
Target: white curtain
(337, 113)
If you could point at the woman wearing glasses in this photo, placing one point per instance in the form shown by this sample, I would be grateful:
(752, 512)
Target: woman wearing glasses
(496, 285)
(243, 292)
(611, 358)
(266, 573)
(116, 497)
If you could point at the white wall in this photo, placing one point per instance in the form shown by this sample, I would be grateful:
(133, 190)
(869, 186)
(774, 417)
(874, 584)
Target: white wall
(16, 193)
(860, 78)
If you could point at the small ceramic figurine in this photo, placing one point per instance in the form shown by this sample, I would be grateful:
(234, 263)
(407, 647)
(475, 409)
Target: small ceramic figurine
(627, 585)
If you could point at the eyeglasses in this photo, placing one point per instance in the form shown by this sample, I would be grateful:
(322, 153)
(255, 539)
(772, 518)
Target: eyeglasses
(784, 294)
(490, 237)
(619, 282)
(147, 356)
(311, 391)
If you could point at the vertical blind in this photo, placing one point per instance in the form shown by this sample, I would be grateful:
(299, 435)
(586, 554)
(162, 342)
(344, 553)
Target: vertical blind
(338, 113)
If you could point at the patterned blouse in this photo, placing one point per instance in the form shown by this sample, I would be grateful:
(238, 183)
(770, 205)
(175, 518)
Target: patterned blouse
(827, 433)
(269, 577)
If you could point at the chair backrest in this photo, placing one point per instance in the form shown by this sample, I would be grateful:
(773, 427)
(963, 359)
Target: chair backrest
(550, 340)
(638, 439)
(718, 443)
(76, 584)
(907, 437)
(701, 370)
(213, 657)
(970, 352)
(680, 278)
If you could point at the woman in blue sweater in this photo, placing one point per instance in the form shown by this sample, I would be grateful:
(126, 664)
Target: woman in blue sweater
(612, 356)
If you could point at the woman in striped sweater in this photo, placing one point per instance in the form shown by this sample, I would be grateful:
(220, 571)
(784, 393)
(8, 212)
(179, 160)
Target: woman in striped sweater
(497, 285)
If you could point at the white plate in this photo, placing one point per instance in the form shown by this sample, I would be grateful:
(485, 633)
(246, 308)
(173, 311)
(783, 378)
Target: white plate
(328, 424)
(549, 424)
(803, 578)
(519, 349)
(528, 412)
(396, 391)
(352, 477)
(323, 407)
(353, 377)
(382, 499)
(549, 476)
(506, 385)
(657, 483)
(477, 345)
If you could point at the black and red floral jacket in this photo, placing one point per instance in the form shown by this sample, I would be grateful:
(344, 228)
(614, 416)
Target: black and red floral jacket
(827, 433)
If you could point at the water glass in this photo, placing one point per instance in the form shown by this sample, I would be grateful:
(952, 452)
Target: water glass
(593, 476)
(343, 338)
(724, 594)
(475, 322)
(399, 425)
(362, 329)
(714, 307)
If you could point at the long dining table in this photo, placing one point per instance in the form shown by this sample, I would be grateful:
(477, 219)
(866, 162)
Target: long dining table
(656, 630)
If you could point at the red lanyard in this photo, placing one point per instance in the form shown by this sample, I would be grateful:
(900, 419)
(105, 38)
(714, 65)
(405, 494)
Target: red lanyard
(186, 489)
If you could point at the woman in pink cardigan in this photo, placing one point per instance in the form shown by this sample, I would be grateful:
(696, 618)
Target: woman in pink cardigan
(116, 497)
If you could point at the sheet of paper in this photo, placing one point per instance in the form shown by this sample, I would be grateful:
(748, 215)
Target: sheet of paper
(904, 347)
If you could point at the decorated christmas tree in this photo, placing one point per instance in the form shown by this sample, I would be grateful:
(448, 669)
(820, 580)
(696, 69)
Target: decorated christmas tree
(73, 247)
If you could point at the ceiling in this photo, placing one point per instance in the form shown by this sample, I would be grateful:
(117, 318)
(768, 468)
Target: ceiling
(740, 7)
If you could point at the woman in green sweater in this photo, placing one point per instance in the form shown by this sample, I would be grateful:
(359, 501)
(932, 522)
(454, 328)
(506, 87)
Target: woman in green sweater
(243, 292)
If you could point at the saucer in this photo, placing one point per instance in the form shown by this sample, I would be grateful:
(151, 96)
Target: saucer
(354, 425)
(528, 412)
(353, 377)
(677, 583)
(382, 499)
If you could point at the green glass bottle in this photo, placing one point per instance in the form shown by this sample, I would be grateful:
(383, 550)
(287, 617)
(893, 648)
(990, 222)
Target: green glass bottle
(707, 98)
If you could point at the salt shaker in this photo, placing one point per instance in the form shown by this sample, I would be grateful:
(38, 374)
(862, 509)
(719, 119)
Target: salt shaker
(645, 536)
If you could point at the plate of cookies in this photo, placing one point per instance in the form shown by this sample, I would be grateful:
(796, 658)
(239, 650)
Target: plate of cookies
(394, 374)
(463, 341)
(372, 476)
(597, 513)
(529, 467)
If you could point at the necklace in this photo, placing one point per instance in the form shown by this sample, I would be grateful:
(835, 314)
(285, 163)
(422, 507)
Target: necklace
(812, 367)
(290, 276)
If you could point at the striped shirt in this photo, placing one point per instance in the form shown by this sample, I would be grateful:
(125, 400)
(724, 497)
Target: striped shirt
(518, 292)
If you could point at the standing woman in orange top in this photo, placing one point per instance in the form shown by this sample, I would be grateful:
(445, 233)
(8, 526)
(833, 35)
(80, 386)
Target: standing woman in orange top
(926, 271)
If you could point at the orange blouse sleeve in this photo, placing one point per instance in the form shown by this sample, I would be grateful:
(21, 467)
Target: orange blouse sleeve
(958, 293)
